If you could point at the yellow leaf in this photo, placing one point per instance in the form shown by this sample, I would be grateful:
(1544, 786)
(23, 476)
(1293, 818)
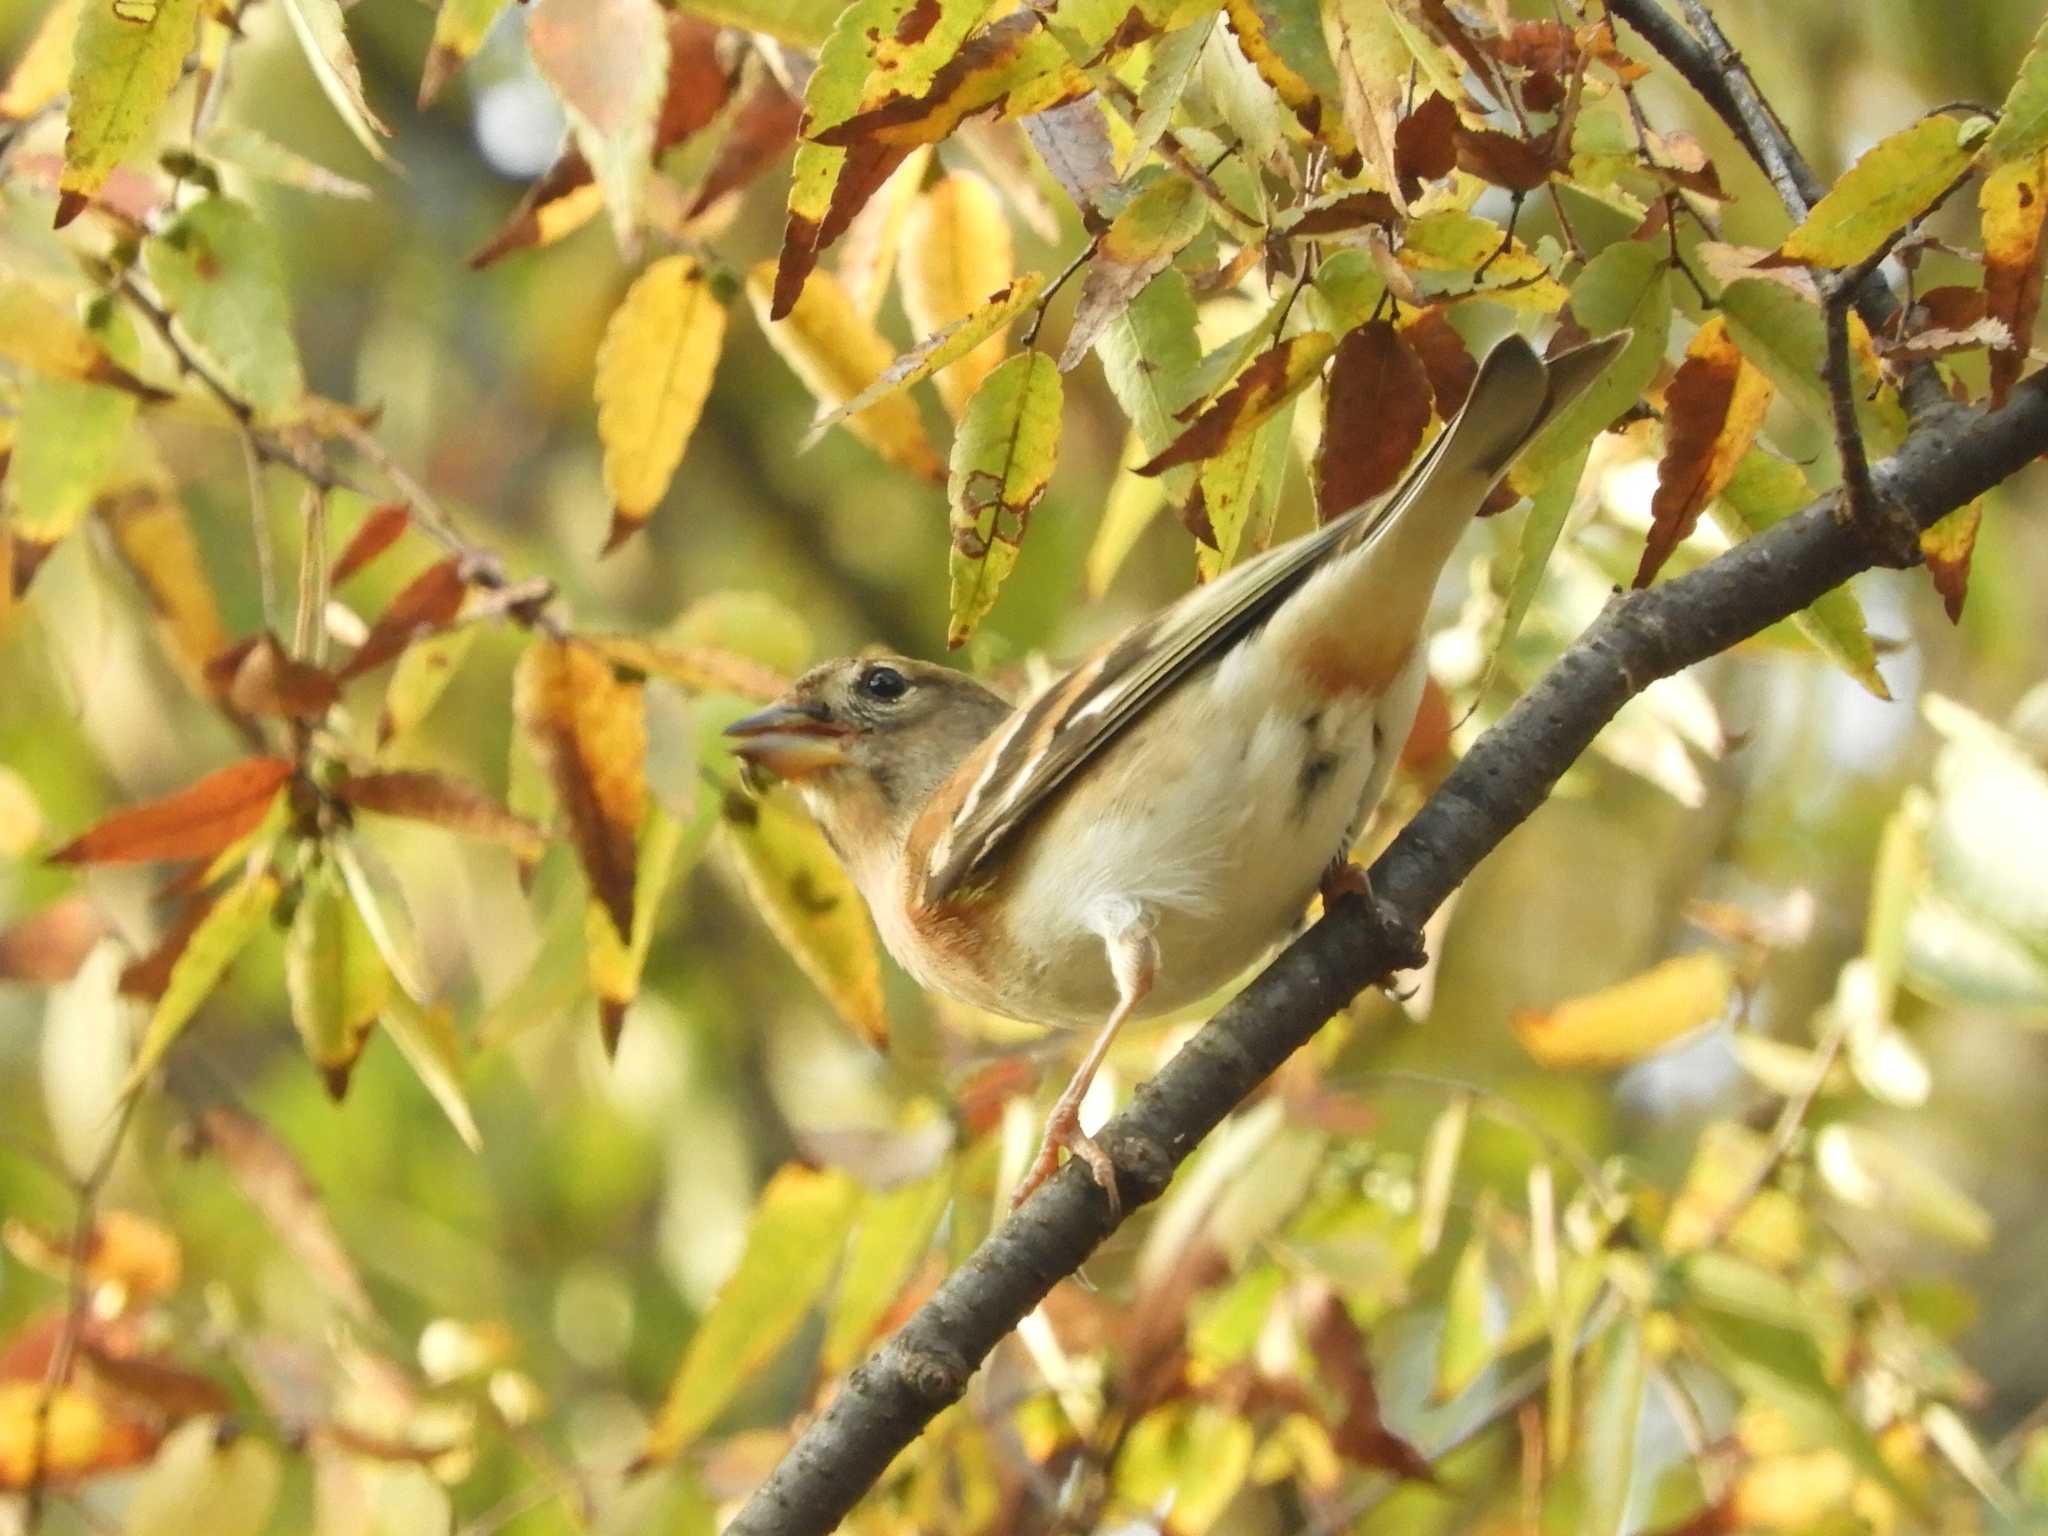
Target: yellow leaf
(460, 27)
(956, 252)
(1889, 186)
(2014, 201)
(587, 729)
(810, 904)
(334, 977)
(793, 1245)
(1003, 459)
(155, 539)
(1629, 1020)
(654, 371)
(44, 66)
(222, 934)
(124, 62)
(838, 354)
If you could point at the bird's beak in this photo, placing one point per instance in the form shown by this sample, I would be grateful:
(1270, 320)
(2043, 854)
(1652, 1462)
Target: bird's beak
(790, 740)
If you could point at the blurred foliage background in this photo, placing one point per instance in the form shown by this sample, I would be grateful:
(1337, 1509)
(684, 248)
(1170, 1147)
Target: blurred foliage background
(538, 1292)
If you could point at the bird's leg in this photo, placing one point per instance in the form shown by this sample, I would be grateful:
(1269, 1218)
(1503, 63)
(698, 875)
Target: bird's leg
(1133, 961)
(1343, 878)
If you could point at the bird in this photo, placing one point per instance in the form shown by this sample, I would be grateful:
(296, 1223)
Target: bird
(1141, 829)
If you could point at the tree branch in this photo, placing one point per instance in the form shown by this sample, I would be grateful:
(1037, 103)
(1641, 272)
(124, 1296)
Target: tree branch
(1952, 457)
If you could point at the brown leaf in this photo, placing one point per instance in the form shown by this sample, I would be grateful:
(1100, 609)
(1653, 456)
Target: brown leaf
(588, 730)
(448, 803)
(1272, 378)
(1948, 546)
(1425, 141)
(698, 84)
(265, 681)
(195, 823)
(1351, 211)
(2014, 200)
(564, 199)
(377, 534)
(1712, 410)
(1338, 1346)
(48, 947)
(273, 1180)
(1376, 412)
(1518, 165)
(428, 604)
(1445, 357)
(763, 126)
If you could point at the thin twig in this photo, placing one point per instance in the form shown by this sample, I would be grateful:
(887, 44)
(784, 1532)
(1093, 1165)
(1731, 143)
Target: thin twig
(77, 1298)
(259, 526)
(309, 634)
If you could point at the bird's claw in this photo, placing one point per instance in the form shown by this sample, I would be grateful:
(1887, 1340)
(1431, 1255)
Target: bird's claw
(1063, 1129)
(1403, 944)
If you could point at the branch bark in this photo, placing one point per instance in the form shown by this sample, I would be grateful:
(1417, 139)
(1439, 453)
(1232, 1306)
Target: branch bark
(1953, 456)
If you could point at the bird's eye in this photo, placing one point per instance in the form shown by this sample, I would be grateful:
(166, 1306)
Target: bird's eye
(884, 683)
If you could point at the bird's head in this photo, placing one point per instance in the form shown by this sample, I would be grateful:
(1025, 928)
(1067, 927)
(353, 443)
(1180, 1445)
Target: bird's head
(866, 740)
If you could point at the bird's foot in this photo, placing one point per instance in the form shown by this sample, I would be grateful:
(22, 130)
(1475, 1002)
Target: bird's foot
(1403, 943)
(1063, 1129)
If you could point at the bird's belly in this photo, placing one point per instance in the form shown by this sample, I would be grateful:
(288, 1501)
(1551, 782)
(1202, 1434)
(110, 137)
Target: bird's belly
(1220, 883)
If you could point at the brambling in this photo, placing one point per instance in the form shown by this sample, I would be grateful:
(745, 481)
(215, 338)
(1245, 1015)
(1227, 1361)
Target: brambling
(1148, 825)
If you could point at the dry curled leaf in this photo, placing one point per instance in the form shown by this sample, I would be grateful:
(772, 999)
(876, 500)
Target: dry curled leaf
(1712, 412)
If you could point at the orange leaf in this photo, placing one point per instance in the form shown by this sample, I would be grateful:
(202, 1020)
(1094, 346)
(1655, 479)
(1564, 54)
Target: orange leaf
(2014, 200)
(429, 603)
(588, 729)
(195, 823)
(1377, 411)
(379, 531)
(445, 802)
(1712, 411)
(762, 127)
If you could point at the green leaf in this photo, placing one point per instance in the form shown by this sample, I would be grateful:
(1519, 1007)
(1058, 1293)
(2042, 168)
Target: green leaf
(1889, 186)
(891, 1237)
(65, 442)
(939, 351)
(1173, 62)
(2022, 130)
(1134, 501)
(426, 1038)
(122, 73)
(802, 24)
(1003, 456)
(1150, 357)
(1625, 285)
(217, 269)
(1154, 226)
(1764, 490)
(222, 934)
(793, 1245)
(336, 980)
(1541, 526)
(1469, 1337)
(324, 39)
(1614, 1410)
(1781, 1367)
(1865, 1168)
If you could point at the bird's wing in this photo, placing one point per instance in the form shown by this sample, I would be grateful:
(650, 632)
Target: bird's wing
(1017, 770)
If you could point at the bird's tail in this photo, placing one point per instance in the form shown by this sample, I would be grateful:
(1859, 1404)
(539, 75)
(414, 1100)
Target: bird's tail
(1515, 395)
